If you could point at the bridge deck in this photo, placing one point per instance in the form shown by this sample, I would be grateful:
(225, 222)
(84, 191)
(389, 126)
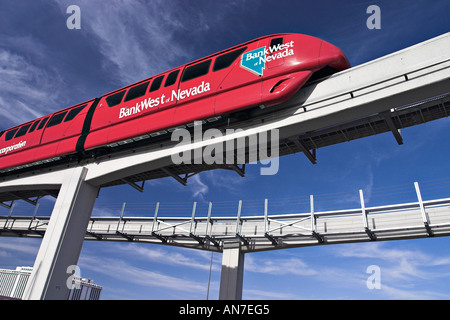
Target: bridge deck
(262, 232)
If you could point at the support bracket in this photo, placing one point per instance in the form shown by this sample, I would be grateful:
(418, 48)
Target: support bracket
(271, 238)
(195, 237)
(160, 237)
(212, 240)
(175, 176)
(310, 155)
(239, 171)
(139, 188)
(395, 131)
(318, 237)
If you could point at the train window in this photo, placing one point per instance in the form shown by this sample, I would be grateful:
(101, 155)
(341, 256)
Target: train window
(1, 133)
(225, 60)
(172, 78)
(43, 122)
(33, 127)
(73, 113)
(137, 91)
(196, 70)
(156, 84)
(56, 119)
(10, 134)
(115, 99)
(275, 42)
(22, 131)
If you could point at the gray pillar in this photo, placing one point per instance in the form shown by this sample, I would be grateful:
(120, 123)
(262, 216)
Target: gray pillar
(232, 276)
(63, 239)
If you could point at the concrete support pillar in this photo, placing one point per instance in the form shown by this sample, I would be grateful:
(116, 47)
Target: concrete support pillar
(63, 240)
(232, 276)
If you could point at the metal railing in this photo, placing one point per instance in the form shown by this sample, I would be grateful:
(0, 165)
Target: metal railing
(260, 232)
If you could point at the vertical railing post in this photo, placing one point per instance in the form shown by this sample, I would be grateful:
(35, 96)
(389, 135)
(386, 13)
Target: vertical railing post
(422, 211)
(194, 207)
(313, 217)
(364, 216)
(363, 209)
(9, 214)
(155, 216)
(208, 221)
(121, 215)
(266, 219)
(238, 219)
(34, 215)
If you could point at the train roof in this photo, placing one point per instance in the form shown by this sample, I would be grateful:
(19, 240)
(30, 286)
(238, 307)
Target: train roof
(198, 60)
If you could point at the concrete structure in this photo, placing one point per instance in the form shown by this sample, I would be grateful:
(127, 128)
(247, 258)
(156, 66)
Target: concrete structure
(393, 92)
(13, 284)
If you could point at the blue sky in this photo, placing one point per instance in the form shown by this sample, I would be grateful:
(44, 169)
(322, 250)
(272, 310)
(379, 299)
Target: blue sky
(45, 67)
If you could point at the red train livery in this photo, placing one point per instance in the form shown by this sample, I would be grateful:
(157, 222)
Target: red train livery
(262, 72)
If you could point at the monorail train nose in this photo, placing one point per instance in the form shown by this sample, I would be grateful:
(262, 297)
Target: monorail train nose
(333, 57)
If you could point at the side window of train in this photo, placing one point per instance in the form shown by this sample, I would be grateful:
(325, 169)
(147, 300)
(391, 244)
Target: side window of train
(137, 91)
(156, 84)
(10, 134)
(73, 113)
(56, 119)
(43, 122)
(196, 70)
(115, 99)
(34, 126)
(23, 130)
(225, 60)
(172, 78)
(275, 42)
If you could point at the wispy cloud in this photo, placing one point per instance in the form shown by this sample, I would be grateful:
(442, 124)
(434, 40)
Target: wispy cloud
(198, 188)
(195, 259)
(292, 266)
(141, 38)
(26, 87)
(399, 267)
(120, 270)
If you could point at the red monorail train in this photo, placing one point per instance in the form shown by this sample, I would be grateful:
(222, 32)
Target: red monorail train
(262, 72)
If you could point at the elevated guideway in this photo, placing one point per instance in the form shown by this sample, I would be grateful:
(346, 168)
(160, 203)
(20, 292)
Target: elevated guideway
(403, 89)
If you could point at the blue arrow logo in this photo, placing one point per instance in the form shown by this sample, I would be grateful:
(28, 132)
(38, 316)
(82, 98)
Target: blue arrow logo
(254, 61)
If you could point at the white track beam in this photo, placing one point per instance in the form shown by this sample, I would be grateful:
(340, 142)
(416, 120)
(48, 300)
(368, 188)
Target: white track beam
(232, 276)
(61, 245)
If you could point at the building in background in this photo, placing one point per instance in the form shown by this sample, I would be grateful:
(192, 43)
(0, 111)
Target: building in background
(14, 282)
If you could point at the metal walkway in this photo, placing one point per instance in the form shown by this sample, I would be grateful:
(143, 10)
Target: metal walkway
(264, 232)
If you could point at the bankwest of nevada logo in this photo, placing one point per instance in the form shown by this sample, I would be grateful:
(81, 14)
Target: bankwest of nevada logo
(255, 60)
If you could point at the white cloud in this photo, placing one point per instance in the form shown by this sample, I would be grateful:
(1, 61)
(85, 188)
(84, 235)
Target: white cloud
(122, 270)
(398, 265)
(291, 266)
(136, 38)
(25, 87)
(198, 187)
(195, 259)
(15, 245)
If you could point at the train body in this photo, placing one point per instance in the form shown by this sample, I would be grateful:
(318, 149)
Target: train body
(263, 72)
